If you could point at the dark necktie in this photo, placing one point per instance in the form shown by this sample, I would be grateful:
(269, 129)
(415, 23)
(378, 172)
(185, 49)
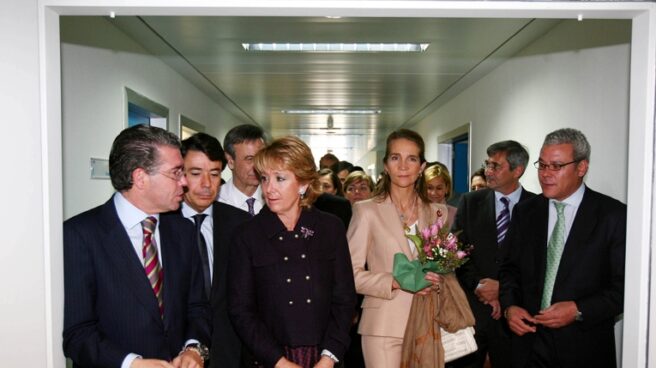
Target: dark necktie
(202, 249)
(251, 206)
(151, 263)
(503, 220)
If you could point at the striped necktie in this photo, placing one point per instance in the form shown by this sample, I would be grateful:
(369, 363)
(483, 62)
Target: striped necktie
(503, 220)
(151, 263)
(251, 206)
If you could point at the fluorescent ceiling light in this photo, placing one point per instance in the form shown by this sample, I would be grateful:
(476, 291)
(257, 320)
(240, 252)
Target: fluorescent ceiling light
(336, 47)
(332, 111)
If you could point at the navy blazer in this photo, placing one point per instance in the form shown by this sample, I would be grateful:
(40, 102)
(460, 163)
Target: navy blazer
(226, 346)
(591, 273)
(476, 219)
(110, 309)
(291, 288)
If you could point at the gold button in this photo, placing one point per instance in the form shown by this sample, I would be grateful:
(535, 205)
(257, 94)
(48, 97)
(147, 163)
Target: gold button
(309, 301)
(303, 256)
(307, 277)
(289, 281)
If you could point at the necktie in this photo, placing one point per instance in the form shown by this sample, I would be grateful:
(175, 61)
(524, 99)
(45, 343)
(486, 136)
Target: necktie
(202, 249)
(503, 220)
(554, 251)
(251, 208)
(151, 263)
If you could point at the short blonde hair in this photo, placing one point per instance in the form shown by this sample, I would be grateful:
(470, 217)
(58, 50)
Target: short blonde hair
(291, 153)
(437, 171)
(358, 176)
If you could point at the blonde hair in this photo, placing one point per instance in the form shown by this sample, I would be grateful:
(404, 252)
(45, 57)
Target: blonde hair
(437, 171)
(358, 176)
(291, 153)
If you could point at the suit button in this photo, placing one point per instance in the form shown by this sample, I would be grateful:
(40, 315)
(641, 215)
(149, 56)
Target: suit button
(296, 236)
(307, 277)
(280, 238)
(302, 256)
(285, 258)
(309, 301)
(289, 281)
(291, 302)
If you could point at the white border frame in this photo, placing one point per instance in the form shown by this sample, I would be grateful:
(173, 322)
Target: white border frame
(637, 324)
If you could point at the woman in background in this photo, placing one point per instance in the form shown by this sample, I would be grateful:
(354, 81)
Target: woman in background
(439, 188)
(330, 183)
(358, 186)
(377, 232)
(291, 293)
(477, 180)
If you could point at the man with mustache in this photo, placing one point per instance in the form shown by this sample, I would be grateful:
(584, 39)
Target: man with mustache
(133, 293)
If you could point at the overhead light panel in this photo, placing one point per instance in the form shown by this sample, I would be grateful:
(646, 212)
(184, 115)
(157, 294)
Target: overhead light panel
(332, 111)
(336, 47)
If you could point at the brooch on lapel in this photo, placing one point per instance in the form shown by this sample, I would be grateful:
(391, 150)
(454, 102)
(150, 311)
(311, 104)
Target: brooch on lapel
(307, 233)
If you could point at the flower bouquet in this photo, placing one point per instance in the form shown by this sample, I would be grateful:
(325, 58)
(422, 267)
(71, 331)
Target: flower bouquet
(440, 325)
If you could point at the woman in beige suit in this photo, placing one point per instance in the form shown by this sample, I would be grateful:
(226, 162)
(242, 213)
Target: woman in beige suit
(377, 232)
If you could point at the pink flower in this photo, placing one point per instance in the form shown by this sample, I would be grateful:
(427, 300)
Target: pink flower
(426, 233)
(461, 254)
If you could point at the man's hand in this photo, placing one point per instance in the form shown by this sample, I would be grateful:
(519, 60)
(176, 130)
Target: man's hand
(150, 363)
(496, 309)
(557, 315)
(188, 359)
(487, 290)
(325, 362)
(284, 363)
(519, 320)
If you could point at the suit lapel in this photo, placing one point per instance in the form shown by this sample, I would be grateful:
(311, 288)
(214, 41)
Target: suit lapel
(582, 227)
(393, 224)
(170, 262)
(490, 216)
(540, 239)
(126, 263)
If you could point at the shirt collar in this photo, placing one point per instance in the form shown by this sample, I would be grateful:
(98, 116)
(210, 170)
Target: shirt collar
(512, 197)
(229, 190)
(129, 214)
(188, 212)
(574, 199)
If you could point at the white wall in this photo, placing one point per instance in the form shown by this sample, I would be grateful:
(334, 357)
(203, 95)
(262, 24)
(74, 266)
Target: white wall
(22, 305)
(576, 75)
(98, 62)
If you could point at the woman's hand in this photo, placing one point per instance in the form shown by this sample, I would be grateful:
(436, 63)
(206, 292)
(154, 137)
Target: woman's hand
(325, 362)
(436, 284)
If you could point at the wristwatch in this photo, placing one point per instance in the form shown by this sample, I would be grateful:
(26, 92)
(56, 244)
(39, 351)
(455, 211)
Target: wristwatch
(200, 349)
(579, 316)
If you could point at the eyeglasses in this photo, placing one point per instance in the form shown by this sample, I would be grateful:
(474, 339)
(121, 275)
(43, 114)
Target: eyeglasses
(552, 167)
(493, 166)
(175, 174)
(361, 188)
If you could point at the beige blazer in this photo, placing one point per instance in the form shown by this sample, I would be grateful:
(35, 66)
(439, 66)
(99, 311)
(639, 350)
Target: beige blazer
(375, 235)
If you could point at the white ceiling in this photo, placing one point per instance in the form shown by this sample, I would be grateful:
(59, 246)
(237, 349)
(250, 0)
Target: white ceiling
(255, 86)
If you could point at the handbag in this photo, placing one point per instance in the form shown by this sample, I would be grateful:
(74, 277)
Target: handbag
(458, 344)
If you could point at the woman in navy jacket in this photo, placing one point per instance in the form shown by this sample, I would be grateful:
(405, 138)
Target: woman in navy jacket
(291, 290)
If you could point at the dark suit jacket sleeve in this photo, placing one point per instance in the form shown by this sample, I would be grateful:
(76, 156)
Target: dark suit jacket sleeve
(509, 270)
(468, 274)
(242, 303)
(83, 341)
(337, 339)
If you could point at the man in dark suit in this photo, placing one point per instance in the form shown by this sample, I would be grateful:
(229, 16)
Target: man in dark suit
(204, 161)
(483, 216)
(133, 293)
(562, 281)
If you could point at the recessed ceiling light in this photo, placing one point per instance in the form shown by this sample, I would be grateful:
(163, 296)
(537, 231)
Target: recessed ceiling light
(336, 47)
(332, 111)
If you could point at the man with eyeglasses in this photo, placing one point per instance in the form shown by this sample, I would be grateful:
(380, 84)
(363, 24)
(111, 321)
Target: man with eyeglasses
(204, 160)
(562, 282)
(133, 292)
(483, 216)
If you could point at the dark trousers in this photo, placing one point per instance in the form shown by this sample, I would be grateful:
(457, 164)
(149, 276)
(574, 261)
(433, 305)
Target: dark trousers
(543, 354)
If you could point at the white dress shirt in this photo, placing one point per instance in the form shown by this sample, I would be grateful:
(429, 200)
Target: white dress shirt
(205, 228)
(229, 194)
(572, 204)
(513, 198)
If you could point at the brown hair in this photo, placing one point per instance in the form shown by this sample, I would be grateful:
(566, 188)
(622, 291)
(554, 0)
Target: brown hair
(358, 176)
(385, 183)
(291, 153)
